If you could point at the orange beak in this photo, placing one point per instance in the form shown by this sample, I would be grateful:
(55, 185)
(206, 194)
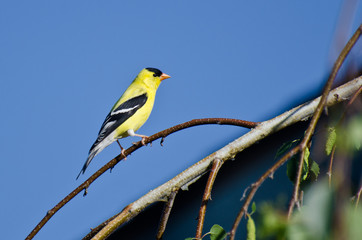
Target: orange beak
(164, 76)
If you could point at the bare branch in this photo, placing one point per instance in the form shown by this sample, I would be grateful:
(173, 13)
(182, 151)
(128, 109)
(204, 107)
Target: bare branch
(84, 186)
(297, 182)
(330, 169)
(207, 196)
(165, 214)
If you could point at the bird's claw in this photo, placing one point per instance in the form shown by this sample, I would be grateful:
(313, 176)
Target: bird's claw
(143, 141)
(123, 154)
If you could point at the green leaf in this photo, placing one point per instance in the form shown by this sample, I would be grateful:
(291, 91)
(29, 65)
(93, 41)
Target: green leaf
(310, 169)
(331, 140)
(250, 229)
(189, 238)
(284, 148)
(217, 232)
(314, 171)
(305, 171)
(253, 208)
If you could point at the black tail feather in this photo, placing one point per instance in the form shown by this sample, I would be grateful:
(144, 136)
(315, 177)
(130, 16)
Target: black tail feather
(89, 159)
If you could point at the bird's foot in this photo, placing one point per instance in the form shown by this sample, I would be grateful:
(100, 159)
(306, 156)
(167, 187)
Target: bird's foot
(123, 154)
(143, 141)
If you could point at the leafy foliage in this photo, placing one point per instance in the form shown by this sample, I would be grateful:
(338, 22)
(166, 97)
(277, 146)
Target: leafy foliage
(253, 208)
(310, 169)
(314, 221)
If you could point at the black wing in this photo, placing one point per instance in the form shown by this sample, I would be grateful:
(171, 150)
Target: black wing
(118, 116)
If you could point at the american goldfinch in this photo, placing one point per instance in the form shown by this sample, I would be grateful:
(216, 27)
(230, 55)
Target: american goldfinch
(129, 113)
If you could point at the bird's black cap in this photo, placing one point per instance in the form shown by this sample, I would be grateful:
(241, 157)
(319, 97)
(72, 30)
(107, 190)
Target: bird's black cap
(157, 72)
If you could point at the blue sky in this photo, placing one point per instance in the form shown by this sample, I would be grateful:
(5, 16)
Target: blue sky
(65, 63)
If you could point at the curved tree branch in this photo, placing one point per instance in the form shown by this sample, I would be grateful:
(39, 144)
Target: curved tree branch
(113, 162)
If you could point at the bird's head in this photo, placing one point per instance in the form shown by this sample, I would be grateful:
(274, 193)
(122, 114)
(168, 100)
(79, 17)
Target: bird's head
(152, 77)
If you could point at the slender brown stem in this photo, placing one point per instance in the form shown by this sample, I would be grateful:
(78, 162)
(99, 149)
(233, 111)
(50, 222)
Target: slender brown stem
(297, 183)
(254, 187)
(113, 162)
(354, 97)
(207, 196)
(108, 228)
(330, 169)
(95, 230)
(163, 220)
(166, 214)
(350, 102)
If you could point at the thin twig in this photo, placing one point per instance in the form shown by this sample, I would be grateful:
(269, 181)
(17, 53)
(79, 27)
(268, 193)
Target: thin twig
(113, 162)
(330, 169)
(166, 214)
(297, 183)
(207, 196)
(354, 97)
(95, 230)
(254, 187)
(108, 229)
(350, 102)
(319, 110)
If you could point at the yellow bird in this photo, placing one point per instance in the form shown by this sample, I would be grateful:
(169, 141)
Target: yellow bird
(129, 113)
